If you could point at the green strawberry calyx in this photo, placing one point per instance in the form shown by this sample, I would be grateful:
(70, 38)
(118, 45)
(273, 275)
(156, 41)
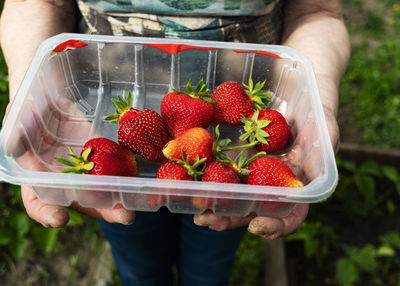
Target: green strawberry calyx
(196, 169)
(201, 92)
(241, 162)
(121, 105)
(259, 98)
(254, 129)
(78, 164)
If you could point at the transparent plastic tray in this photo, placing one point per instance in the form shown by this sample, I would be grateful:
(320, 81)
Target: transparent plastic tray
(66, 93)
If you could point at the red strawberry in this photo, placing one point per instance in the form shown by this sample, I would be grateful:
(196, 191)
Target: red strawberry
(267, 127)
(195, 142)
(101, 156)
(220, 173)
(269, 171)
(232, 101)
(175, 170)
(145, 135)
(123, 109)
(184, 110)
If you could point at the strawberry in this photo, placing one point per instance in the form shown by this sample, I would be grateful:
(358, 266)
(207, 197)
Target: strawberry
(184, 110)
(269, 171)
(145, 135)
(101, 156)
(195, 142)
(232, 101)
(123, 109)
(269, 128)
(220, 173)
(175, 170)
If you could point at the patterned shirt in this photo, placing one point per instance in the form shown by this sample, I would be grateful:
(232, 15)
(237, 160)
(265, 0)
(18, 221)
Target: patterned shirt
(255, 21)
(186, 7)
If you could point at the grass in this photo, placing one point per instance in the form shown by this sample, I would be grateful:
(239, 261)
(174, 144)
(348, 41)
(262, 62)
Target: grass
(371, 86)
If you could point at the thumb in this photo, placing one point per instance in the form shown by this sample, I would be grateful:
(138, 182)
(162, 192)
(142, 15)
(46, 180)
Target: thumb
(47, 215)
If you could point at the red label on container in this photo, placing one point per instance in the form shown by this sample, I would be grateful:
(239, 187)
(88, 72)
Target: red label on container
(259, 52)
(176, 48)
(67, 46)
(169, 48)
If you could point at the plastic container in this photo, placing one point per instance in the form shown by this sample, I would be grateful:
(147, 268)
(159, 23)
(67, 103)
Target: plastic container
(67, 90)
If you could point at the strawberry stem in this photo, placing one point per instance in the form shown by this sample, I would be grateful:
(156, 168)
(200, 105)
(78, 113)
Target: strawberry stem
(252, 158)
(244, 146)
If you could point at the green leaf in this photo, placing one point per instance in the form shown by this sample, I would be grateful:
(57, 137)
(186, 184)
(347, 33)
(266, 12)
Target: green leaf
(311, 245)
(263, 123)
(45, 238)
(366, 186)
(241, 159)
(224, 142)
(364, 258)
(18, 247)
(392, 239)
(88, 166)
(391, 207)
(260, 138)
(86, 153)
(262, 133)
(346, 272)
(217, 132)
(6, 236)
(370, 168)
(189, 87)
(21, 224)
(75, 218)
(391, 173)
(65, 162)
(385, 250)
(348, 165)
(244, 136)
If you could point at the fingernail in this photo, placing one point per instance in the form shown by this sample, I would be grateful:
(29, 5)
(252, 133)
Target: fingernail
(129, 219)
(199, 220)
(58, 218)
(129, 222)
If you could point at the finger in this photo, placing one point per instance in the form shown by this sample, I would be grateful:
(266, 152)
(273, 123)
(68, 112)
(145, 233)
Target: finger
(220, 223)
(117, 214)
(47, 215)
(272, 228)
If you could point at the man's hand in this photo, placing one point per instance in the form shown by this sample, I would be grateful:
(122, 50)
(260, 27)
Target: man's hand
(57, 216)
(266, 227)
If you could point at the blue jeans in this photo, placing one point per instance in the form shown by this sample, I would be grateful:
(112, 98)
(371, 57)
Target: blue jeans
(146, 251)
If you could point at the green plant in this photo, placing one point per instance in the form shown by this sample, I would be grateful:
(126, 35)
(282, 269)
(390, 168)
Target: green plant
(372, 261)
(370, 86)
(367, 253)
(359, 191)
(21, 237)
(248, 267)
